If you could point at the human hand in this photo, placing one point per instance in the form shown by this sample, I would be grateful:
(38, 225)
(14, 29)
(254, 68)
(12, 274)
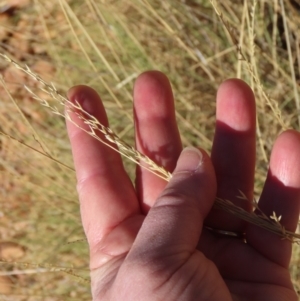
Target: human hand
(150, 242)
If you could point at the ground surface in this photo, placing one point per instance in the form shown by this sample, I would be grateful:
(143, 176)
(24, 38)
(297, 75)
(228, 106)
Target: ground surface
(106, 44)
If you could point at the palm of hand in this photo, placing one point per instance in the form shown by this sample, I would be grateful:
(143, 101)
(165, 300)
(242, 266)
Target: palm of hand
(147, 248)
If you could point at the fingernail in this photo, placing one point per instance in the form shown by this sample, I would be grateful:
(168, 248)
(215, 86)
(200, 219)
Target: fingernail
(85, 101)
(190, 160)
(78, 95)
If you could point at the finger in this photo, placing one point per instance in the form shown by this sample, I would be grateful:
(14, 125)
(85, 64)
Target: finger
(157, 135)
(281, 194)
(173, 225)
(233, 152)
(106, 194)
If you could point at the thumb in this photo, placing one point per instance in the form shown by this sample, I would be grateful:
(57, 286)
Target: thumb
(174, 224)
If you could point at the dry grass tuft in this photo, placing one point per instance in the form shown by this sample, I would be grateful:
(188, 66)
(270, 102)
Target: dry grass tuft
(106, 44)
(271, 223)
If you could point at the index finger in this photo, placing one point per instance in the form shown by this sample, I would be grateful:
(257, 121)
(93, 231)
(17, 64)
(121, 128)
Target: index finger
(106, 194)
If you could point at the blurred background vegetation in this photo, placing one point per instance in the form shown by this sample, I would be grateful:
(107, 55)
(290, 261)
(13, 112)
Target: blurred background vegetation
(106, 44)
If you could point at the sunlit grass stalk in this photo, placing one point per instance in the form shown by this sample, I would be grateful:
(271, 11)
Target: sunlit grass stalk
(43, 153)
(291, 60)
(270, 102)
(94, 125)
(36, 268)
(112, 140)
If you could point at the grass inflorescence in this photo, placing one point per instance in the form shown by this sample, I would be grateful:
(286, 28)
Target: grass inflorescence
(106, 44)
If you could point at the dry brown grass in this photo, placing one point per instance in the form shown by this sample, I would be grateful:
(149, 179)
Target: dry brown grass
(106, 44)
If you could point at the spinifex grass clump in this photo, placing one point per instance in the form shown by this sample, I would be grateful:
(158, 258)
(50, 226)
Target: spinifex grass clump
(269, 223)
(106, 44)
